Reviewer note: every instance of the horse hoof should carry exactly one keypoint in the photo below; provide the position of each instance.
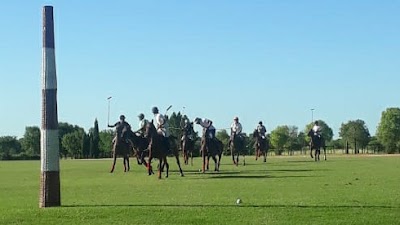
(182, 175)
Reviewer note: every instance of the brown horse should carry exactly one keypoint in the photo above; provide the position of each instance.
(210, 148)
(261, 145)
(158, 148)
(187, 146)
(121, 148)
(236, 146)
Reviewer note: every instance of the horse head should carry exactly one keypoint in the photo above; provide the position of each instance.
(310, 133)
(255, 133)
(150, 130)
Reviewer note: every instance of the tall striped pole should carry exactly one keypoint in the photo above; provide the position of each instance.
(50, 165)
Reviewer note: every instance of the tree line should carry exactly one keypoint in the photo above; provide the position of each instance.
(76, 143)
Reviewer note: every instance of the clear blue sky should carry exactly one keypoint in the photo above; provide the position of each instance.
(259, 60)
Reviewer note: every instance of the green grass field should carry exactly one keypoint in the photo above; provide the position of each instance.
(285, 190)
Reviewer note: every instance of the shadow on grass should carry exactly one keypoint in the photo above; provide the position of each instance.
(241, 206)
(254, 177)
(309, 161)
(248, 174)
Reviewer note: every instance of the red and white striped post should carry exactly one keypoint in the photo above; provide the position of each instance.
(50, 164)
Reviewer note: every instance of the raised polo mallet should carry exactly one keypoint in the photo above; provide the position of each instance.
(168, 109)
(108, 115)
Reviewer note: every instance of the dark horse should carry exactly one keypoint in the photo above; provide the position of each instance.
(316, 143)
(187, 146)
(261, 145)
(122, 148)
(210, 148)
(158, 148)
(140, 148)
(236, 146)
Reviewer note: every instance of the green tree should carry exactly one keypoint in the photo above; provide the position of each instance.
(30, 143)
(375, 145)
(356, 133)
(223, 136)
(9, 145)
(63, 129)
(94, 140)
(296, 139)
(337, 143)
(72, 142)
(174, 122)
(388, 132)
(279, 138)
(301, 140)
(85, 146)
(105, 144)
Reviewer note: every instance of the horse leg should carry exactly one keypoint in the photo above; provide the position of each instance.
(183, 147)
(208, 162)
(127, 161)
(311, 148)
(124, 160)
(191, 158)
(265, 156)
(244, 159)
(215, 163)
(319, 153)
(114, 160)
(325, 153)
(185, 157)
(257, 154)
(149, 168)
(160, 167)
(177, 162)
(138, 158)
(167, 165)
(219, 159)
(233, 157)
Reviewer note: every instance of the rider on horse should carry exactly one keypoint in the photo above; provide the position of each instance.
(208, 128)
(316, 129)
(122, 129)
(261, 130)
(187, 129)
(142, 125)
(236, 128)
(161, 126)
(316, 133)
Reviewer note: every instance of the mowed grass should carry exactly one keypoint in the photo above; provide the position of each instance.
(285, 190)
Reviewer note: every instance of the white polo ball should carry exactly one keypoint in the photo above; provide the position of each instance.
(238, 201)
